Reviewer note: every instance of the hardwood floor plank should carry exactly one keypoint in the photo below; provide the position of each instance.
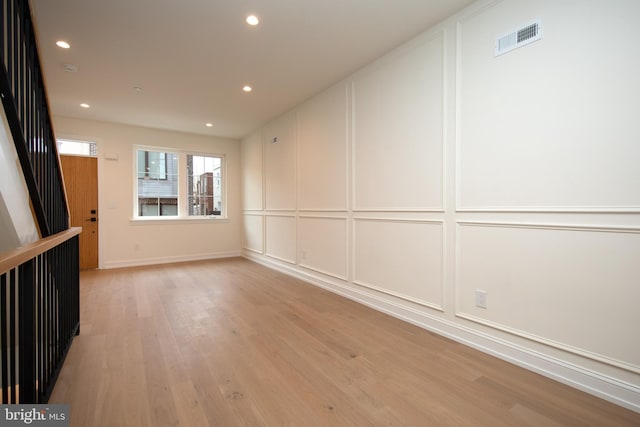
(156, 369)
(232, 343)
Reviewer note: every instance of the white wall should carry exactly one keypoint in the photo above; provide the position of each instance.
(124, 242)
(17, 225)
(440, 170)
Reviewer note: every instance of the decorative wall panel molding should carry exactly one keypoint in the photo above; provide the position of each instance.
(607, 387)
(323, 244)
(399, 102)
(253, 236)
(322, 124)
(252, 172)
(567, 286)
(403, 258)
(280, 237)
(279, 147)
(530, 135)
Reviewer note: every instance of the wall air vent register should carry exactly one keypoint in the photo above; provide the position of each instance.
(517, 38)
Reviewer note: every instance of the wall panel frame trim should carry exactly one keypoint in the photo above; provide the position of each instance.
(347, 144)
(551, 226)
(458, 99)
(420, 302)
(288, 261)
(551, 209)
(316, 216)
(524, 334)
(413, 44)
(431, 305)
(256, 251)
(344, 219)
(463, 134)
(400, 209)
(325, 273)
(283, 213)
(339, 211)
(258, 214)
(552, 343)
(290, 215)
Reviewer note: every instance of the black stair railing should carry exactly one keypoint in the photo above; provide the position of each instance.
(25, 104)
(39, 282)
(39, 316)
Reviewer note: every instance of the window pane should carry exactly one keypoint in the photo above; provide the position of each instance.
(148, 207)
(154, 164)
(141, 168)
(157, 183)
(204, 185)
(168, 207)
(78, 148)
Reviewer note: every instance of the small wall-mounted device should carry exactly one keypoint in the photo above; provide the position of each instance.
(274, 140)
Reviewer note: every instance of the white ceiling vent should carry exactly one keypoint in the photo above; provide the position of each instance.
(523, 36)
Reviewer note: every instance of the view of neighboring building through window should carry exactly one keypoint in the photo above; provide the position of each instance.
(178, 184)
(157, 183)
(204, 185)
(152, 164)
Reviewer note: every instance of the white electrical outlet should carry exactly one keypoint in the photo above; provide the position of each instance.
(481, 298)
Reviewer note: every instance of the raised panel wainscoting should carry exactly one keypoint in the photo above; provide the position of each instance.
(489, 198)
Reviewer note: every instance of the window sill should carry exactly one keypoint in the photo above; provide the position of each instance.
(178, 220)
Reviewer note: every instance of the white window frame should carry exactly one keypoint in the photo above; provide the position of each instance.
(92, 146)
(183, 211)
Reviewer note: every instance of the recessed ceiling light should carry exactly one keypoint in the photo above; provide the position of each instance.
(137, 88)
(209, 125)
(253, 20)
(83, 105)
(247, 89)
(70, 68)
(63, 44)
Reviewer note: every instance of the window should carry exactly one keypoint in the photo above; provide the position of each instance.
(77, 148)
(178, 184)
(157, 185)
(204, 185)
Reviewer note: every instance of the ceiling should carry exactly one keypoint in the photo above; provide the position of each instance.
(191, 58)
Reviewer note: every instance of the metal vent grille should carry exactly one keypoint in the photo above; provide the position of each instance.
(528, 32)
(518, 38)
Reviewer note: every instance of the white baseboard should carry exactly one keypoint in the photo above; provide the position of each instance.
(168, 260)
(611, 389)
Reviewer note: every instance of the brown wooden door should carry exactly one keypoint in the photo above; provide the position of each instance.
(81, 182)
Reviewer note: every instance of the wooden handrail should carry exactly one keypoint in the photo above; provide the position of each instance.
(12, 259)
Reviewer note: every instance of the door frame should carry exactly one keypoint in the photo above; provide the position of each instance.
(100, 177)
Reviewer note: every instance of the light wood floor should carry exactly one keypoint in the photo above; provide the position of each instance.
(231, 343)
